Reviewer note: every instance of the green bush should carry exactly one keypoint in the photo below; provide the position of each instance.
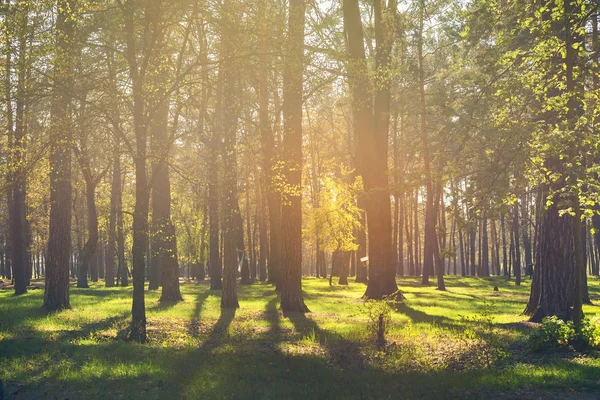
(379, 313)
(555, 333)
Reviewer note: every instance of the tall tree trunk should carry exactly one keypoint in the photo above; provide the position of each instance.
(371, 125)
(270, 164)
(417, 235)
(164, 262)
(115, 194)
(409, 241)
(429, 229)
(89, 249)
(251, 238)
(517, 259)
(292, 299)
(232, 226)
(262, 234)
(439, 261)
(485, 247)
(344, 265)
(142, 194)
(121, 263)
(17, 175)
(56, 294)
(504, 257)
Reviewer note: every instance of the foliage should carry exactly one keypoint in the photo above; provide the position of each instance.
(490, 347)
(379, 318)
(338, 217)
(554, 333)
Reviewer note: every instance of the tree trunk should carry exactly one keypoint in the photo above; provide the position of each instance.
(504, 257)
(115, 194)
(554, 277)
(292, 299)
(56, 294)
(250, 239)
(344, 265)
(371, 126)
(233, 225)
(271, 167)
(164, 263)
(262, 235)
(17, 143)
(89, 249)
(429, 229)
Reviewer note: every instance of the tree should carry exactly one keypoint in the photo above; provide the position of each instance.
(56, 294)
(228, 94)
(17, 136)
(292, 299)
(371, 124)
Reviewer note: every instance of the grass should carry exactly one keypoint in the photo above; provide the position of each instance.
(463, 343)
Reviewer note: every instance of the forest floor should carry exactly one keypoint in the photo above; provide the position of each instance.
(468, 342)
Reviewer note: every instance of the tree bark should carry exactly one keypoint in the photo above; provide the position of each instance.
(56, 294)
(292, 299)
(89, 249)
(371, 126)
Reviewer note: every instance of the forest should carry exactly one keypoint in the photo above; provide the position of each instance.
(299, 199)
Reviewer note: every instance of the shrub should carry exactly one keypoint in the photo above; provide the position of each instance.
(554, 333)
(379, 313)
(483, 337)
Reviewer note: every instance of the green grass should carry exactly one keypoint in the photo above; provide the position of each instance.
(439, 346)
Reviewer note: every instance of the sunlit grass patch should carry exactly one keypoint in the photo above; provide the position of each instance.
(435, 340)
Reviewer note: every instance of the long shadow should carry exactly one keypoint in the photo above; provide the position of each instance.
(195, 320)
(419, 316)
(94, 292)
(343, 352)
(219, 330)
(422, 317)
(187, 366)
(274, 335)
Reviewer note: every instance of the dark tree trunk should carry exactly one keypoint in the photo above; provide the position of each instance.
(89, 249)
(269, 155)
(409, 241)
(371, 126)
(485, 248)
(344, 265)
(439, 261)
(463, 252)
(17, 175)
(163, 260)
(292, 299)
(251, 244)
(504, 257)
(361, 252)
(417, 235)
(142, 193)
(554, 277)
(121, 264)
(233, 250)
(517, 259)
(429, 228)
(472, 237)
(56, 295)
(115, 194)
(262, 236)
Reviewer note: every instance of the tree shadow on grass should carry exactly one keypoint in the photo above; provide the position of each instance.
(194, 324)
(95, 292)
(219, 331)
(343, 352)
(418, 316)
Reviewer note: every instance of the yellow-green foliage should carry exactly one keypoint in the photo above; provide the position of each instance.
(337, 218)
